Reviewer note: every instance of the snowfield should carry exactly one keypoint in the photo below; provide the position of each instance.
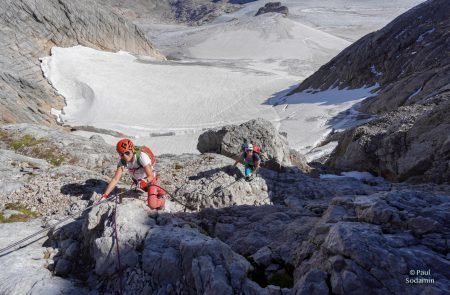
(146, 99)
(235, 69)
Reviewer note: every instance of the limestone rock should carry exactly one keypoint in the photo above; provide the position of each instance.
(24, 269)
(408, 58)
(369, 246)
(63, 267)
(410, 143)
(59, 148)
(283, 233)
(171, 254)
(31, 28)
(195, 12)
(273, 7)
(229, 139)
(12, 174)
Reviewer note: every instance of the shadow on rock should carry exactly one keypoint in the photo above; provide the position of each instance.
(230, 170)
(85, 190)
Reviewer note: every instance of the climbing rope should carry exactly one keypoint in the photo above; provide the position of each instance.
(190, 207)
(116, 240)
(224, 187)
(72, 215)
(186, 206)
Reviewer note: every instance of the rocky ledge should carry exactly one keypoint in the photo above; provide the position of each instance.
(282, 233)
(411, 143)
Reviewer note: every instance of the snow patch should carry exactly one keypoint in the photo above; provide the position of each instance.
(115, 91)
(57, 114)
(313, 114)
(319, 152)
(374, 71)
(414, 94)
(221, 73)
(422, 36)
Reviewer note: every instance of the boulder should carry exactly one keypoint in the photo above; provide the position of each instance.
(63, 267)
(228, 141)
(98, 235)
(273, 7)
(175, 255)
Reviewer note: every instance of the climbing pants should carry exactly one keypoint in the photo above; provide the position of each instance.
(248, 170)
(155, 200)
(155, 195)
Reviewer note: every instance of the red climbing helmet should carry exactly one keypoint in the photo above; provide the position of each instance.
(124, 145)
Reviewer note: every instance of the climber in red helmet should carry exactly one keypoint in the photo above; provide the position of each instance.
(139, 163)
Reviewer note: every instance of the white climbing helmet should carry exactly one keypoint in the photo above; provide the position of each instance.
(248, 147)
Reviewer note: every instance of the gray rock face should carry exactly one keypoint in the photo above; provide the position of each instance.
(192, 12)
(174, 255)
(59, 147)
(273, 7)
(29, 30)
(365, 247)
(411, 143)
(228, 141)
(408, 58)
(49, 169)
(283, 233)
(25, 270)
(267, 234)
(16, 170)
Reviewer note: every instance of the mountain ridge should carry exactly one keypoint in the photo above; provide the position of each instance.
(409, 61)
(379, 57)
(32, 28)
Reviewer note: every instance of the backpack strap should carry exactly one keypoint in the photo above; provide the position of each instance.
(123, 162)
(137, 154)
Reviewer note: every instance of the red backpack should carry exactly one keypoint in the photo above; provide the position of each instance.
(146, 150)
(256, 149)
